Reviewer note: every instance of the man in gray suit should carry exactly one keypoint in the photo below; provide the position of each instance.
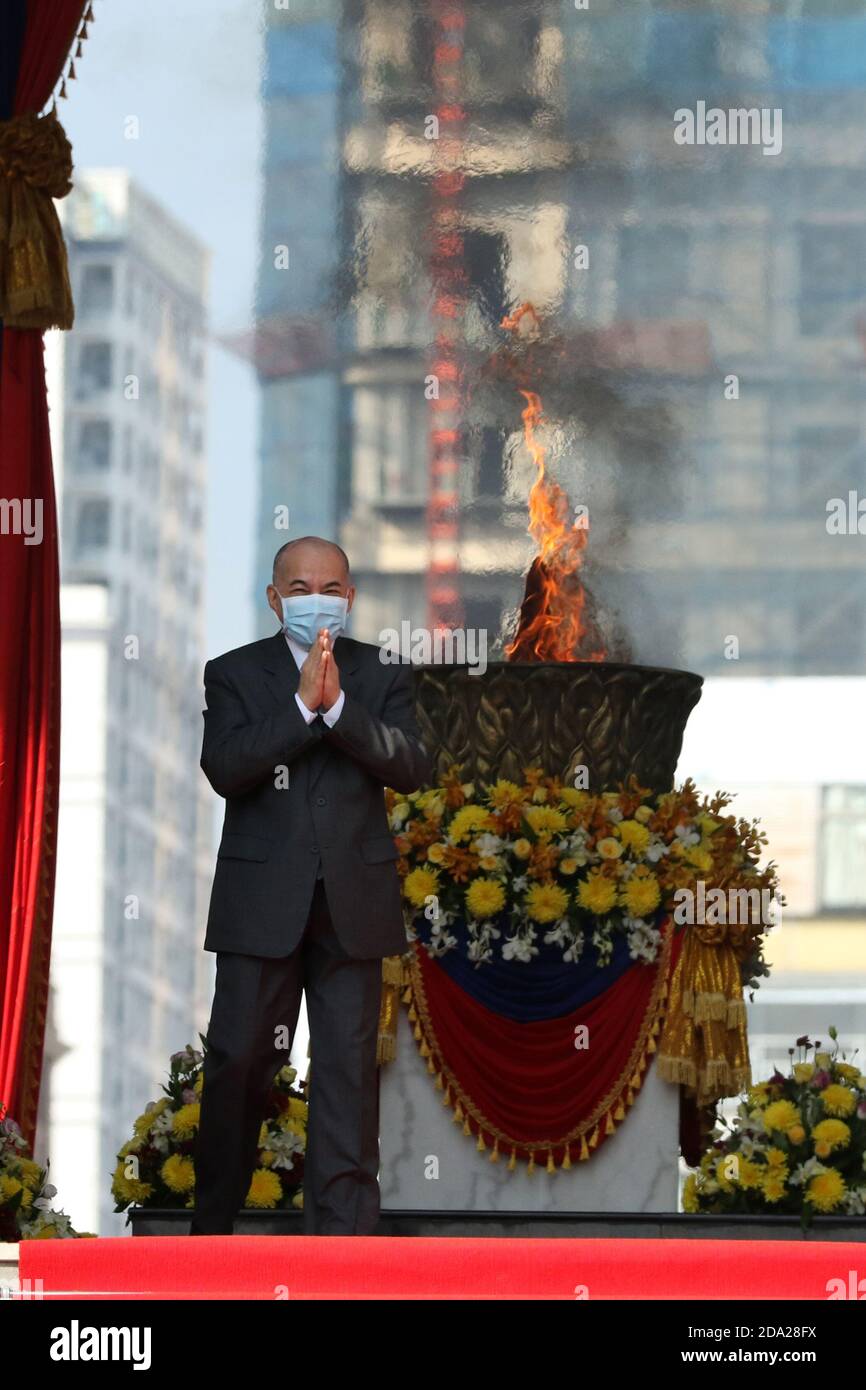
(302, 733)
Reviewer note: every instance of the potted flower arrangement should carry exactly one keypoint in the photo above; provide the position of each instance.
(26, 1211)
(155, 1168)
(797, 1143)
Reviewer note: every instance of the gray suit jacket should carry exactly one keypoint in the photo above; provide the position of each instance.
(332, 810)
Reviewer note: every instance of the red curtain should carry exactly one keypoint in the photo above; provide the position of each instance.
(29, 650)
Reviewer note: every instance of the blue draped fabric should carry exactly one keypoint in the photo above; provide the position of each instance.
(528, 993)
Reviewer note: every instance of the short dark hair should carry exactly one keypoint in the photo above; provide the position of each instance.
(299, 540)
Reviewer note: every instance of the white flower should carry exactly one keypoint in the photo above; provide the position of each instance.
(687, 834)
(520, 947)
(488, 843)
(656, 850)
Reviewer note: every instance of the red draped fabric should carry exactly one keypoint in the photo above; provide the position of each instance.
(29, 649)
(525, 1087)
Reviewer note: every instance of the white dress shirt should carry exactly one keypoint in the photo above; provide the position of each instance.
(331, 715)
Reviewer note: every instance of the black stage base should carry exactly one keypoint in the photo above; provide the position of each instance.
(650, 1225)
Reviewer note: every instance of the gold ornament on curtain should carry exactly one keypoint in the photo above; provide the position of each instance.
(35, 168)
(704, 1042)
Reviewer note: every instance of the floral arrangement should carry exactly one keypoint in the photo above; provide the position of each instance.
(26, 1194)
(796, 1144)
(514, 861)
(155, 1168)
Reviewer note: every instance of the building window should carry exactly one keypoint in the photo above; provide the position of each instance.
(94, 369)
(843, 849)
(96, 295)
(653, 275)
(831, 278)
(93, 525)
(94, 446)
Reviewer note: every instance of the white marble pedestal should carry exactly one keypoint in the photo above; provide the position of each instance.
(635, 1170)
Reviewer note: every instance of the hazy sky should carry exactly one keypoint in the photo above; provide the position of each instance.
(189, 71)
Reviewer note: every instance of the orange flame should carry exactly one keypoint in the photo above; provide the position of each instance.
(552, 626)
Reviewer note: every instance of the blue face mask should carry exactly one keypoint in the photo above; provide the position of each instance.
(304, 614)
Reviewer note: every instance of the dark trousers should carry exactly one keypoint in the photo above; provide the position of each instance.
(253, 997)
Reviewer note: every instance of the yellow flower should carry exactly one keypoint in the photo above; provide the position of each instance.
(545, 820)
(467, 821)
(129, 1189)
(643, 814)
(419, 884)
(640, 894)
(298, 1200)
(522, 848)
(823, 1060)
(185, 1120)
(143, 1123)
(796, 1134)
(838, 1100)
(546, 902)
(31, 1173)
(436, 852)
(759, 1094)
(488, 862)
(835, 1134)
(609, 848)
(826, 1190)
(776, 1158)
(750, 1174)
(539, 793)
(700, 857)
(297, 1107)
(633, 835)
(431, 802)
(199, 1082)
(708, 824)
(804, 1071)
(485, 897)
(8, 1188)
(573, 796)
(690, 1193)
(597, 894)
(845, 1070)
(773, 1185)
(780, 1115)
(567, 866)
(177, 1173)
(265, 1189)
(504, 793)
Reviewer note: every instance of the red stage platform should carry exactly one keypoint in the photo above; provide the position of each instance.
(374, 1267)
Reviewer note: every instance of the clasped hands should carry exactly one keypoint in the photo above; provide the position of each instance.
(319, 682)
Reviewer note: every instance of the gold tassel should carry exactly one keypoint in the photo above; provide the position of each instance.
(595, 1138)
(584, 1151)
(458, 1113)
(439, 1082)
(551, 1166)
(512, 1162)
(620, 1110)
(72, 70)
(430, 1067)
(466, 1129)
(609, 1127)
(494, 1157)
(531, 1165)
(566, 1162)
(413, 1015)
(480, 1146)
(63, 96)
(446, 1099)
